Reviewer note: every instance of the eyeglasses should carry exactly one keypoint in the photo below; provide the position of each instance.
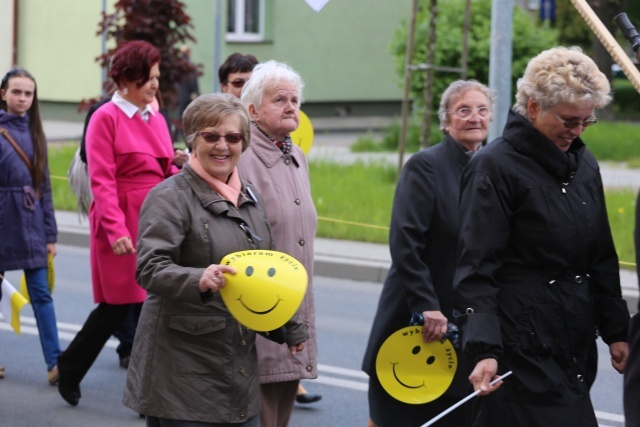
(467, 113)
(230, 138)
(569, 124)
(236, 83)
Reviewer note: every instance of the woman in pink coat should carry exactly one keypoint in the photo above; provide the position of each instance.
(129, 151)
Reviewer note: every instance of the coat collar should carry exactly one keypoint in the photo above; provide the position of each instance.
(456, 151)
(524, 137)
(268, 152)
(211, 200)
(18, 122)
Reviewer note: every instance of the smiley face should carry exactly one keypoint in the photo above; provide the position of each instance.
(413, 371)
(271, 272)
(267, 289)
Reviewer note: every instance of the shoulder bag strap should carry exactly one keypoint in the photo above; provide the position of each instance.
(21, 153)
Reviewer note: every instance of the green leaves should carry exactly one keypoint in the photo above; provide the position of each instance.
(529, 39)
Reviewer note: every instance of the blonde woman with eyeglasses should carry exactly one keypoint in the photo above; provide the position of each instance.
(537, 279)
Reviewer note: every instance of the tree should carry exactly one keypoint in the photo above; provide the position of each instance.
(163, 23)
(529, 39)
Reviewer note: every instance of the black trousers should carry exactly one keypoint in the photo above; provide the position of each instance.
(127, 331)
(76, 360)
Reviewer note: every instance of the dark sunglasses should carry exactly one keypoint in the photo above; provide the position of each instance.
(236, 83)
(231, 138)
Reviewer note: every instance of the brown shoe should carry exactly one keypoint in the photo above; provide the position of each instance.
(1, 372)
(53, 375)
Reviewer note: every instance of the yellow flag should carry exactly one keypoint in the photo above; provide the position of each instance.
(11, 304)
(51, 278)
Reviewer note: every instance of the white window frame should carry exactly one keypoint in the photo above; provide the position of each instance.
(240, 35)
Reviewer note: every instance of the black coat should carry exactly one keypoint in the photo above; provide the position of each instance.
(632, 370)
(540, 273)
(423, 244)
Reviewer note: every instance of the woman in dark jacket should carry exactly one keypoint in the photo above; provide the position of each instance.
(423, 244)
(28, 230)
(191, 360)
(538, 277)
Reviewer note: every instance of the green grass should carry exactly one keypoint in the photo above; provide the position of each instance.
(354, 201)
(358, 193)
(60, 156)
(621, 208)
(613, 141)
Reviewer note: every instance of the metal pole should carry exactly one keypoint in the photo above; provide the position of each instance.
(103, 49)
(500, 63)
(407, 86)
(217, 45)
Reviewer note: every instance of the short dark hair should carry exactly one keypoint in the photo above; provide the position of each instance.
(132, 62)
(236, 63)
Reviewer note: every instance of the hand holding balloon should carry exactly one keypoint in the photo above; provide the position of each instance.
(212, 278)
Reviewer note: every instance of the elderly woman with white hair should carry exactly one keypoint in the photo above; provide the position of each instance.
(537, 279)
(278, 169)
(423, 244)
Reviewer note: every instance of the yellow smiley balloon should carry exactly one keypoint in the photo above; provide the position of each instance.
(267, 289)
(51, 278)
(413, 371)
(303, 136)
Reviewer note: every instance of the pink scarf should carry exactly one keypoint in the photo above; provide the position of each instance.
(229, 191)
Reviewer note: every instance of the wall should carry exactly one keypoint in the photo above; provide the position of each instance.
(6, 36)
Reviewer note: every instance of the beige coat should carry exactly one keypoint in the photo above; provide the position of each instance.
(283, 182)
(191, 359)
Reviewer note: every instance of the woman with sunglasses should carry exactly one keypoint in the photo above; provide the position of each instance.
(129, 151)
(28, 230)
(423, 246)
(192, 362)
(537, 279)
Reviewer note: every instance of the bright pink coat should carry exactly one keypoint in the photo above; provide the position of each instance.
(126, 158)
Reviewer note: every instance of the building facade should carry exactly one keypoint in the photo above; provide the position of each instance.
(342, 52)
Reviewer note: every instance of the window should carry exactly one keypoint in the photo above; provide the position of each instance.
(245, 20)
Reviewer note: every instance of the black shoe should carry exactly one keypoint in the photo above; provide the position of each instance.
(69, 392)
(308, 398)
(124, 362)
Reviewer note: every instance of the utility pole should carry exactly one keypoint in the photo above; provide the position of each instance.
(500, 59)
(217, 45)
(103, 48)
